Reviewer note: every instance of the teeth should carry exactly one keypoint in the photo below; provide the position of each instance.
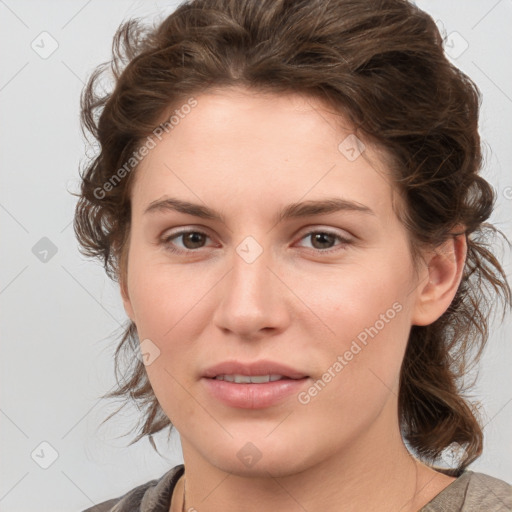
(246, 379)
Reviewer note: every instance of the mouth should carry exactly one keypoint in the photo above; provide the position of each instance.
(261, 371)
(253, 385)
(252, 379)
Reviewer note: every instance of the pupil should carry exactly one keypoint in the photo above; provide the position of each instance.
(319, 236)
(190, 236)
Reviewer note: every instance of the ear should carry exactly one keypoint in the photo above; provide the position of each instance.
(438, 288)
(126, 298)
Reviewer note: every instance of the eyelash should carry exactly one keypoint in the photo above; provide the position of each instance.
(166, 242)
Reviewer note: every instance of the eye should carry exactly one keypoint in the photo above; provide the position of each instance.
(192, 239)
(322, 241)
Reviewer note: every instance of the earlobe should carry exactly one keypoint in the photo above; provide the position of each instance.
(436, 292)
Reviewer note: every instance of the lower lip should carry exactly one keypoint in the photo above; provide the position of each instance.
(253, 396)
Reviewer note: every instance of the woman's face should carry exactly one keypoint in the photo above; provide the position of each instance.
(329, 294)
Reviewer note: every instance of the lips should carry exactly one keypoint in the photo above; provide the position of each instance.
(254, 368)
(245, 385)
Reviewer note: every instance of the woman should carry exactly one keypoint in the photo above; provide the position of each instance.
(288, 195)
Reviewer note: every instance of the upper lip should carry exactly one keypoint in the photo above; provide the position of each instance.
(262, 367)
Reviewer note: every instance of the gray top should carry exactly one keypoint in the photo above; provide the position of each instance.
(470, 492)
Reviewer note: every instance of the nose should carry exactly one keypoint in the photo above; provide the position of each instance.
(254, 300)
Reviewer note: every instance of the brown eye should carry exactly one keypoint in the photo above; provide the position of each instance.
(324, 241)
(191, 241)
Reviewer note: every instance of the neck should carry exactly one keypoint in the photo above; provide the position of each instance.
(376, 469)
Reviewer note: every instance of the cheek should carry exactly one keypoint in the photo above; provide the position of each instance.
(168, 313)
(368, 311)
(165, 298)
(360, 298)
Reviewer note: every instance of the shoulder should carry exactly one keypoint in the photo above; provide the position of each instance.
(472, 492)
(153, 496)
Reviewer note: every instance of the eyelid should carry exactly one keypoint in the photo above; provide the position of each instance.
(344, 240)
(165, 240)
(315, 228)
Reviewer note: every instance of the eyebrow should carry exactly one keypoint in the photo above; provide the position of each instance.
(291, 211)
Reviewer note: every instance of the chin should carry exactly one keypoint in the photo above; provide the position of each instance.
(260, 458)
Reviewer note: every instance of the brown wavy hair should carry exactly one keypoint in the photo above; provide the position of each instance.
(381, 64)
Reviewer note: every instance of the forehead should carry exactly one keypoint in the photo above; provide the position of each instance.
(235, 116)
(238, 145)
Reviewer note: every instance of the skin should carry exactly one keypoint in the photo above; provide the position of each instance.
(246, 156)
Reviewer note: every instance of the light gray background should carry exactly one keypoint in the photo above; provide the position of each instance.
(57, 315)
